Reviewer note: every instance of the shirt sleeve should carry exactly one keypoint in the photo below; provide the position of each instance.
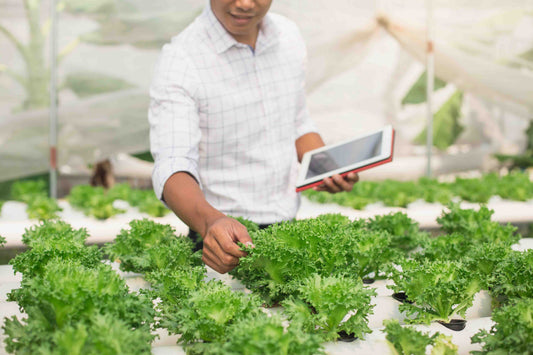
(173, 118)
(304, 124)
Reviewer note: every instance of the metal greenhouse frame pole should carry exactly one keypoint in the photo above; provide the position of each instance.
(53, 100)
(430, 80)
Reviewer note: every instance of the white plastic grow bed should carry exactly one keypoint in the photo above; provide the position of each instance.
(426, 214)
(14, 220)
(478, 317)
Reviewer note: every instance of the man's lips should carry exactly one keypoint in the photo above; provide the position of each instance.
(241, 19)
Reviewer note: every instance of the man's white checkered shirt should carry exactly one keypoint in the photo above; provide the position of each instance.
(230, 117)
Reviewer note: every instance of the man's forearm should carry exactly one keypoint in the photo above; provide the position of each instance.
(183, 195)
(220, 234)
(308, 142)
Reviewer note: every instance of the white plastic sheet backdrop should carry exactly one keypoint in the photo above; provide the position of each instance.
(363, 58)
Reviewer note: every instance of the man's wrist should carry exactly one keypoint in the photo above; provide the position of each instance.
(210, 219)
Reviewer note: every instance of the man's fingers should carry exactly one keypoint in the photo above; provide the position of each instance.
(353, 177)
(331, 185)
(227, 245)
(221, 251)
(213, 245)
(320, 187)
(241, 235)
(214, 265)
(342, 183)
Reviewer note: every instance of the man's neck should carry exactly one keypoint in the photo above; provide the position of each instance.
(248, 40)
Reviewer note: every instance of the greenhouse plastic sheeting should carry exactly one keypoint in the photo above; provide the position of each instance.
(363, 58)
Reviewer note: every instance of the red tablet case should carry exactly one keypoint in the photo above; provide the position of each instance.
(388, 160)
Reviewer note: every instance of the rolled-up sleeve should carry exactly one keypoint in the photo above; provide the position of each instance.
(173, 118)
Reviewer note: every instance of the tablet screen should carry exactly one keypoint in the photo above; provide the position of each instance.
(344, 155)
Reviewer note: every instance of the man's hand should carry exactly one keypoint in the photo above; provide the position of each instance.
(221, 251)
(337, 183)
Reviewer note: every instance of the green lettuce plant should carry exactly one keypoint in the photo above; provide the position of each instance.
(409, 341)
(209, 312)
(329, 305)
(405, 232)
(512, 277)
(69, 298)
(265, 334)
(513, 331)
(52, 241)
(149, 246)
(477, 226)
(435, 290)
(288, 252)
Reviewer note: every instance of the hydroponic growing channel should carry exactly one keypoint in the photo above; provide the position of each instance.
(105, 213)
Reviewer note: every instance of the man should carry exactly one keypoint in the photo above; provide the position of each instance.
(228, 125)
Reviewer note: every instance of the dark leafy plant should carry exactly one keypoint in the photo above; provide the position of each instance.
(417, 93)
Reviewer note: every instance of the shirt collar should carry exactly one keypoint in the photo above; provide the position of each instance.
(222, 40)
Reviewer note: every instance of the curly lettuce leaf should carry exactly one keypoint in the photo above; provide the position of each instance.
(68, 295)
(513, 331)
(405, 232)
(149, 246)
(329, 305)
(512, 277)
(437, 289)
(50, 242)
(267, 335)
(209, 312)
(288, 252)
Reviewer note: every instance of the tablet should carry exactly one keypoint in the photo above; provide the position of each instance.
(357, 154)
